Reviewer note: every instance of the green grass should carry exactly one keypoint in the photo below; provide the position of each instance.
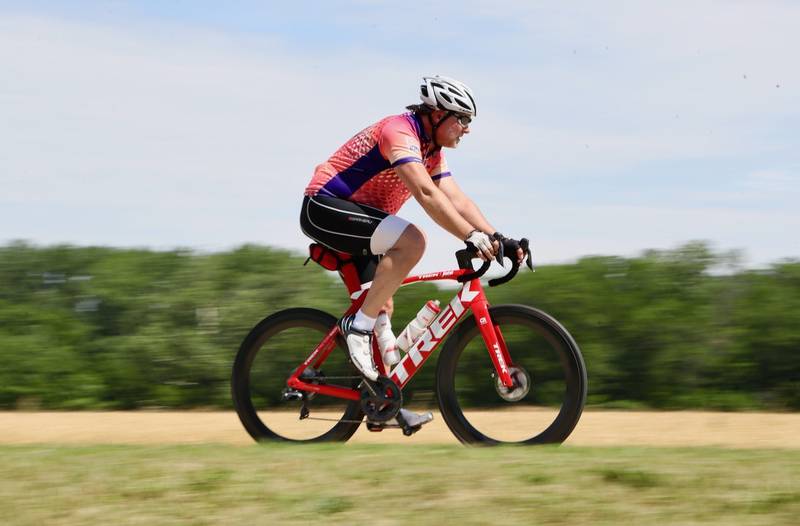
(356, 484)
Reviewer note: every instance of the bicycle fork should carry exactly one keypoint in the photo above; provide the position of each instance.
(495, 343)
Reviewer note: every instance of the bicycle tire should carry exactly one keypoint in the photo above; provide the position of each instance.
(527, 331)
(278, 344)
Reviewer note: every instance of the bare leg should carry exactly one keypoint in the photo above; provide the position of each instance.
(393, 269)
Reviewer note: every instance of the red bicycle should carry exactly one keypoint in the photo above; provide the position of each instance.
(508, 374)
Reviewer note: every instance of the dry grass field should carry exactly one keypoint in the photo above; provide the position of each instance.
(596, 428)
(201, 468)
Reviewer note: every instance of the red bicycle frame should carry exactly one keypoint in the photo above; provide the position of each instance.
(470, 297)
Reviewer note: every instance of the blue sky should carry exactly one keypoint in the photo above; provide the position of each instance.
(601, 129)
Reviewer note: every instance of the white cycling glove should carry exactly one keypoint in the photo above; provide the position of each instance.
(482, 242)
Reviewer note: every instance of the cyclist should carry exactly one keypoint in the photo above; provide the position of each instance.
(351, 203)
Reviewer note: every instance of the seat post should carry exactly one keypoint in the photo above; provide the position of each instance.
(349, 275)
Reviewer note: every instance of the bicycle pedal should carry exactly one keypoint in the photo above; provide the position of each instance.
(374, 428)
(408, 431)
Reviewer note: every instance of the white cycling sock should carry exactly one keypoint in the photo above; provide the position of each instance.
(363, 322)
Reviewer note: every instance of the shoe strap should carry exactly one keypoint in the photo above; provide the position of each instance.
(347, 326)
(353, 330)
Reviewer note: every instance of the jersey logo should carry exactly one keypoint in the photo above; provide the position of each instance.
(412, 146)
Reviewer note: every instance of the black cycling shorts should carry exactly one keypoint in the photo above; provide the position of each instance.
(350, 227)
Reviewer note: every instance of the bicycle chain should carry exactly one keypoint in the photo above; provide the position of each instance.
(342, 420)
(336, 378)
(350, 421)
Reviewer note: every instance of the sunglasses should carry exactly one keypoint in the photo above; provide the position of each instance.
(463, 120)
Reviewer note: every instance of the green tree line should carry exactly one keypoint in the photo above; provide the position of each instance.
(105, 328)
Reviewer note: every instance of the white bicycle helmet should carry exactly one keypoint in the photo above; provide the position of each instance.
(447, 94)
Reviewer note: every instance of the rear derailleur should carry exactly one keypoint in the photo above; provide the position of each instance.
(290, 394)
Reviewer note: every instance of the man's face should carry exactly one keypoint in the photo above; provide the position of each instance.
(450, 130)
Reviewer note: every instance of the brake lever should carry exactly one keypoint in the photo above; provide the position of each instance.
(524, 244)
(500, 255)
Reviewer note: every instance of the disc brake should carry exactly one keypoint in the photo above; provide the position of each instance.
(522, 385)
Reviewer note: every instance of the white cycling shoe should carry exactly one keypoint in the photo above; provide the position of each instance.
(359, 345)
(414, 419)
(413, 422)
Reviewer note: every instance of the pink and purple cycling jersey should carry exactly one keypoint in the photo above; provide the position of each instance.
(363, 169)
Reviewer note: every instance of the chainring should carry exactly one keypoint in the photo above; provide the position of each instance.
(381, 400)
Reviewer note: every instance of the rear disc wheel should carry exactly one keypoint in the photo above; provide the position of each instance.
(268, 356)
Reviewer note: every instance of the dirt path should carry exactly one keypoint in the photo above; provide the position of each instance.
(596, 428)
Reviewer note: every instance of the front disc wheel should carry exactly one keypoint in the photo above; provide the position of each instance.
(549, 392)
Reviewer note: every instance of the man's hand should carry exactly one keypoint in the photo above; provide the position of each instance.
(500, 238)
(483, 243)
